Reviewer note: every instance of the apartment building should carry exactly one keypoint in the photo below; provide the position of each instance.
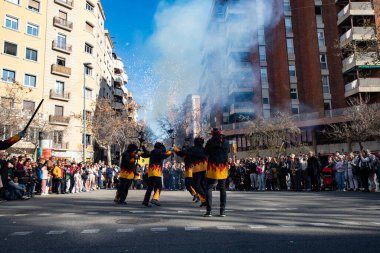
(307, 59)
(61, 50)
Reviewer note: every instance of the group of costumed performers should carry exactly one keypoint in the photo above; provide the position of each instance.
(205, 168)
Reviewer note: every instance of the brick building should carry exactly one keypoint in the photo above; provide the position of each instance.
(305, 57)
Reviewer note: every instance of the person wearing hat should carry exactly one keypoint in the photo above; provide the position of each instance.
(217, 169)
(157, 156)
(188, 168)
(198, 165)
(127, 172)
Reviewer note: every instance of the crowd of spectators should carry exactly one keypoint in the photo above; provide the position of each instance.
(22, 178)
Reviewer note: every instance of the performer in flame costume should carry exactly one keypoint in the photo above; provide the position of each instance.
(127, 172)
(217, 169)
(157, 156)
(188, 169)
(198, 166)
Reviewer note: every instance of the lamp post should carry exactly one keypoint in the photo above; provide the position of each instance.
(85, 66)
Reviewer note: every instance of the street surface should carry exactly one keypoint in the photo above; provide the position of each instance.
(255, 222)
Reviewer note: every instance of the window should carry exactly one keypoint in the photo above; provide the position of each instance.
(266, 113)
(7, 103)
(293, 94)
(325, 84)
(88, 93)
(30, 80)
(88, 48)
(89, 6)
(265, 101)
(31, 54)
(32, 29)
(288, 25)
(62, 15)
(59, 88)
(58, 137)
(11, 22)
(10, 48)
(321, 38)
(61, 61)
(14, 1)
(264, 74)
(88, 70)
(61, 41)
(290, 46)
(89, 27)
(88, 140)
(28, 105)
(262, 53)
(287, 5)
(323, 60)
(34, 5)
(58, 110)
(295, 110)
(292, 70)
(8, 75)
(327, 105)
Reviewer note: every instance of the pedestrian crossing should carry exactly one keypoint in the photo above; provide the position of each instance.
(162, 229)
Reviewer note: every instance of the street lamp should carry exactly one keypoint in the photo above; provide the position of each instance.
(85, 66)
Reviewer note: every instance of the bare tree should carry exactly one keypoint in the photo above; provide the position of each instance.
(362, 123)
(273, 134)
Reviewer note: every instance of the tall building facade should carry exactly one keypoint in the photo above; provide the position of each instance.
(307, 59)
(62, 51)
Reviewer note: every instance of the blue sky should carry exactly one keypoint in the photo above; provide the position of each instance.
(159, 42)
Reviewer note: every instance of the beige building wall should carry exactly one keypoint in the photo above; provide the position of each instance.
(18, 15)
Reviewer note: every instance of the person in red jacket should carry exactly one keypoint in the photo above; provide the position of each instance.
(157, 156)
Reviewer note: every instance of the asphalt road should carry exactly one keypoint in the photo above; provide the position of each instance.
(255, 222)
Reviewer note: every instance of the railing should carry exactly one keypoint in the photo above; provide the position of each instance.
(118, 92)
(61, 146)
(355, 8)
(58, 119)
(67, 48)
(358, 33)
(60, 70)
(67, 3)
(59, 95)
(63, 23)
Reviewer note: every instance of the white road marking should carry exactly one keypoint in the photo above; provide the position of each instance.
(68, 213)
(137, 211)
(320, 224)
(183, 211)
(20, 215)
(2, 215)
(225, 227)
(257, 226)
(289, 226)
(270, 209)
(44, 214)
(376, 223)
(161, 211)
(91, 213)
(249, 209)
(21, 233)
(115, 213)
(354, 223)
(193, 228)
(90, 231)
(291, 209)
(159, 229)
(125, 230)
(56, 232)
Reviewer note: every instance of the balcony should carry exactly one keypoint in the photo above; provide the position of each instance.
(60, 70)
(240, 89)
(242, 108)
(362, 60)
(61, 146)
(61, 47)
(63, 24)
(118, 92)
(59, 120)
(367, 85)
(355, 9)
(65, 3)
(63, 96)
(357, 34)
